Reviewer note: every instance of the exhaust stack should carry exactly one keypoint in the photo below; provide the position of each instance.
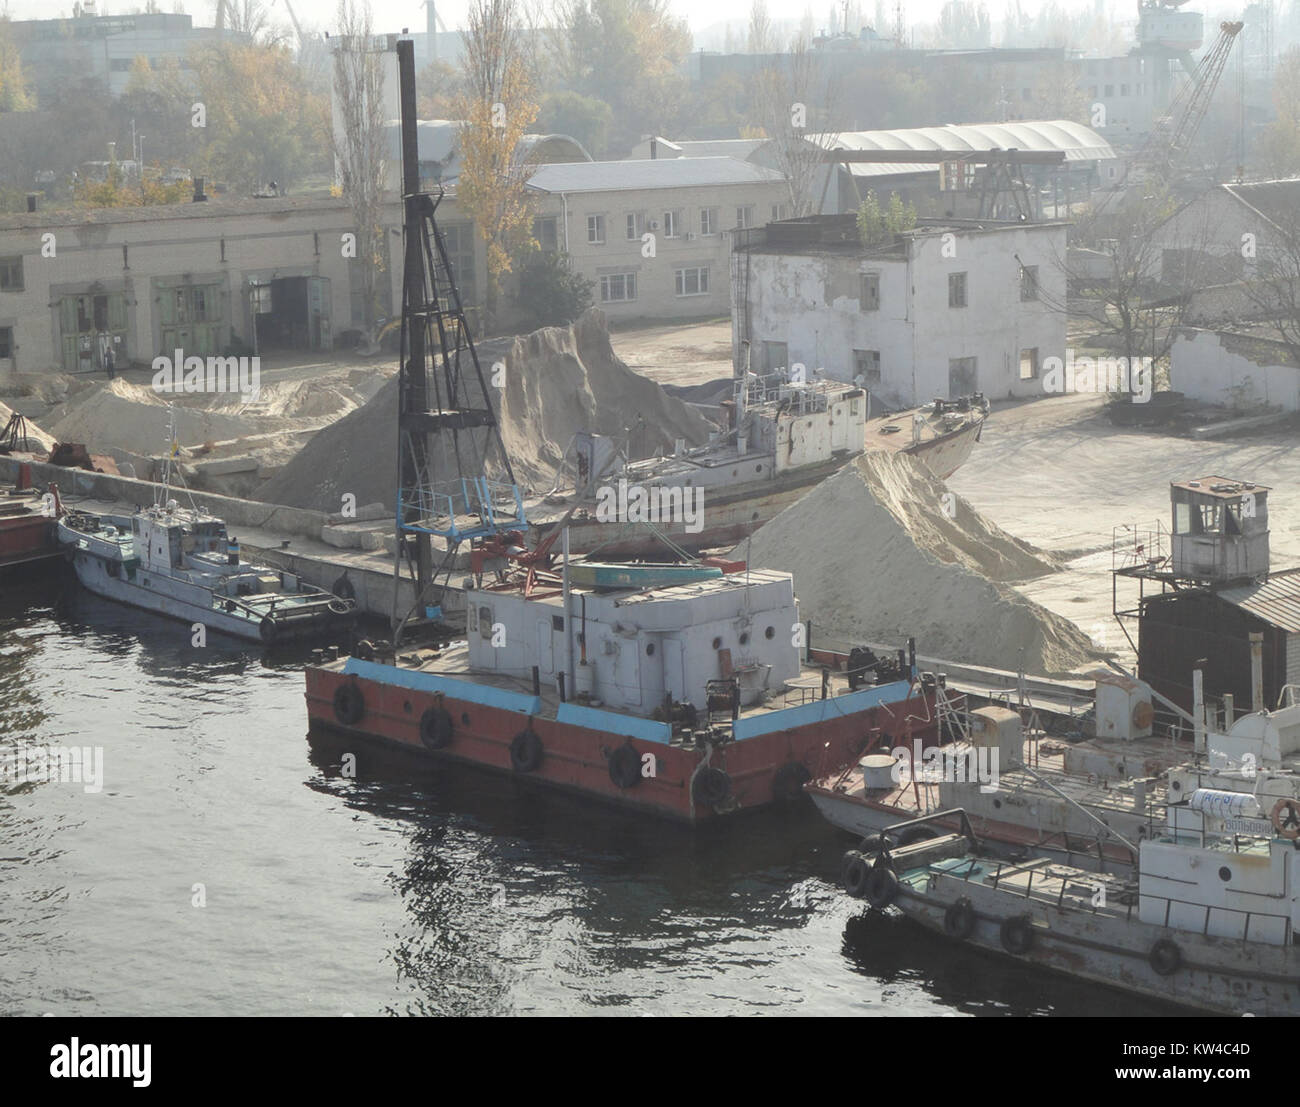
(1256, 670)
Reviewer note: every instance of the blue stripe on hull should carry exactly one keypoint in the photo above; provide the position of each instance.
(807, 714)
(484, 694)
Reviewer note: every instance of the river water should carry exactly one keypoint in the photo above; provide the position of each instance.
(227, 866)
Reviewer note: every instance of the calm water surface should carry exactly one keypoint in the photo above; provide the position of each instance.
(408, 890)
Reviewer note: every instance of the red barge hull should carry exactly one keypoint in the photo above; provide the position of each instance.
(767, 763)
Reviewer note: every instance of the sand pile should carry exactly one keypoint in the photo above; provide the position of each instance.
(874, 559)
(133, 417)
(557, 381)
(945, 525)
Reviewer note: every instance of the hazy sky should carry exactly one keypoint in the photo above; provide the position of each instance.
(392, 15)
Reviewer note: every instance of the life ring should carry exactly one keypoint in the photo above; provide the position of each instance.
(1017, 934)
(349, 704)
(436, 727)
(1286, 818)
(882, 887)
(339, 606)
(788, 782)
(711, 787)
(625, 766)
(1165, 957)
(959, 919)
(855, 871)
(526, 751)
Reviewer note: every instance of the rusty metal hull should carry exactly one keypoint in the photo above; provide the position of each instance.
(1219, 975)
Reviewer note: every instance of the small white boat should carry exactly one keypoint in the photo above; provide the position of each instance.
(182, 563)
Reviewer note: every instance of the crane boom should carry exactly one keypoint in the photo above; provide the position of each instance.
(1173, 133)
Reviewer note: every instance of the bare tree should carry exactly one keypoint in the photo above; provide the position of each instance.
(360, 146)
(760, 28)
(794, 103)
(1274, 293)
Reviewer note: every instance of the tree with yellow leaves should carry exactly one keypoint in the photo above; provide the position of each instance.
(497, 108)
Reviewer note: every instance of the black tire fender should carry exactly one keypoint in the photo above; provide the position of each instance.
(959, 919)
(788, 782)
(436, 727)
(349, 704)
(711, 787)
(526, 751)
(1165, 957)
(855, 871)
(882, 887)
(1017, 934)
(625, 766)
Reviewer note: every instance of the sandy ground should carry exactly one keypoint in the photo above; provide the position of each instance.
(683, 354)
(1056, 473)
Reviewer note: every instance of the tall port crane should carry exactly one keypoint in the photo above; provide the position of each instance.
(1172, 134)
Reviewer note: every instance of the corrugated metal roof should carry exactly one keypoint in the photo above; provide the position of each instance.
(1077, 142)
(1276, 600)
(1277, 201)
(610, 176)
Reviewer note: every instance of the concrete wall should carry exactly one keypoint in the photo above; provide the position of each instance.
(656, 290)
(811, 302)
(176, 244)
(1205, 366)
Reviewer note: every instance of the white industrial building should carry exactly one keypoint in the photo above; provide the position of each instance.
(940, 311)
(654, 236)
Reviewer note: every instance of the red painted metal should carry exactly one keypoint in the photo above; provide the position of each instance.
(577, 758)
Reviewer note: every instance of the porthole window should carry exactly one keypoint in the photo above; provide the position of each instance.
(717, 643)
(464, 718)
(649, 649)
(770, 633)
(744, 639)
(1225, 874)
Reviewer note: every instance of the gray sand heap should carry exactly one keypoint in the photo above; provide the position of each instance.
(876, 559)
(557, 380)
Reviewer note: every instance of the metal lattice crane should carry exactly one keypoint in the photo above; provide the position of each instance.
(1172, 134)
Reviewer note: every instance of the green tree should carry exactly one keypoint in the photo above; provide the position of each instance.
(877, 225)
(582, 117)
(551, 294)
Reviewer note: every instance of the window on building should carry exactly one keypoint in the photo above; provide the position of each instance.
(459, 239)
(673, 224)
(596, 230)
(1110, 90)
(635, 223)
(780, 211)
(956, 290)
(962, 377)
(1028, 282)
(1123, 90)
(1029, 363)
(616, 288)
(692, 282)
(260, 298)
(745, 216)
(866, 365)
(11, 274)
(546, 229)
(774, 356)
(6, 342)
(708, 220)
(869, 291)
(1092, 91)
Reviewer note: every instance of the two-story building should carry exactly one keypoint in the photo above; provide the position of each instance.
(653, 236)
(943, 310)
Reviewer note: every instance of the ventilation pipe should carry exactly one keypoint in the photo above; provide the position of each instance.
(1198, 706)
(1256, 670)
